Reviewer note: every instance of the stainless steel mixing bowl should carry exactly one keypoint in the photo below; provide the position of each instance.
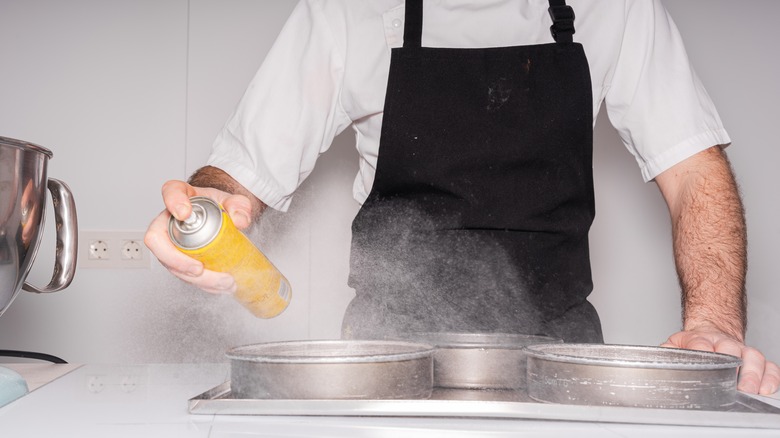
(23, 184)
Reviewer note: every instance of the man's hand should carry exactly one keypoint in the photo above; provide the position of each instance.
(176, 196)
(756, 375)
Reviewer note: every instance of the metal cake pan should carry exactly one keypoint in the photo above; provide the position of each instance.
(338, 369)
(480, 360)
(631, 375)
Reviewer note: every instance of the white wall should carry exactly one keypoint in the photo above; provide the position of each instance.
(730, 45)
(128, 94)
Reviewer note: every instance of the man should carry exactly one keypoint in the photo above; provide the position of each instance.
(475, 137)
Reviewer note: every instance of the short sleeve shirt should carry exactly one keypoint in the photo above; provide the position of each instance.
(328, 71)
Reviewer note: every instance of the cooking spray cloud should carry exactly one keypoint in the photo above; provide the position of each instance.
(178, 322)
(413, 274)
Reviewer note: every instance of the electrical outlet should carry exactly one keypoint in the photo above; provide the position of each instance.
(95, 384)
(132, 250)
(98, 250)
(113, 250)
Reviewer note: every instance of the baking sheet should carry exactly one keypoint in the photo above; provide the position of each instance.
(747, 412)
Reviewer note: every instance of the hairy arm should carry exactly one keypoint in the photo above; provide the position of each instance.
(710, 243)
(209, 176)
(710, 251)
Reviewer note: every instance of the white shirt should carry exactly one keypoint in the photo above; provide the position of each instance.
(328, 71)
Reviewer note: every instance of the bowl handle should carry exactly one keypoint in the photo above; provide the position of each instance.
(67, 238)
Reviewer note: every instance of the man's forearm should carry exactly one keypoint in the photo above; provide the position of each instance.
(709, 244)
(209, 176)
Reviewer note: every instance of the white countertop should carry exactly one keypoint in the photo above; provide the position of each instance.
(152, 400)
(39, 374)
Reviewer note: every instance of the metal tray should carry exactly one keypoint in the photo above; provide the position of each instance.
(747, 412)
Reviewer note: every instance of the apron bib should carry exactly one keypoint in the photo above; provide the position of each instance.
(479, 214)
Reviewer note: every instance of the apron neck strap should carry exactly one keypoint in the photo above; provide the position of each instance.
(413, 22)
(562, 16)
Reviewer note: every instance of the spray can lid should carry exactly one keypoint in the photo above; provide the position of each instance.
(200, 228)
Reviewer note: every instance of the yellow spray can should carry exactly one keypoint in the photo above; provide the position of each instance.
(209, 235)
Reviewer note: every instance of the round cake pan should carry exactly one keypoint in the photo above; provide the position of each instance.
(480, 360)
(631, 375)
(337, 369)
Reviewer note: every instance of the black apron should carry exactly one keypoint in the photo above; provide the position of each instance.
(478, 217)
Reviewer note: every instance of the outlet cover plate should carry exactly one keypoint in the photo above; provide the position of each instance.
(116, 241)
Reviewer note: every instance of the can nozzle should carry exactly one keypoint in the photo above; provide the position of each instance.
(191, 219)
(193, 226)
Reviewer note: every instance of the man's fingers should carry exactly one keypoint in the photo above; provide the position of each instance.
(771, 380)
(239, 208)
(699, 343)
(176, 196)
(156, 239)
(756, 374)
(210, 281)
(752, 370)
(728, 346)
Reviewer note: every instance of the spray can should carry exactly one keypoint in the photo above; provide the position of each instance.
(209, 235)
